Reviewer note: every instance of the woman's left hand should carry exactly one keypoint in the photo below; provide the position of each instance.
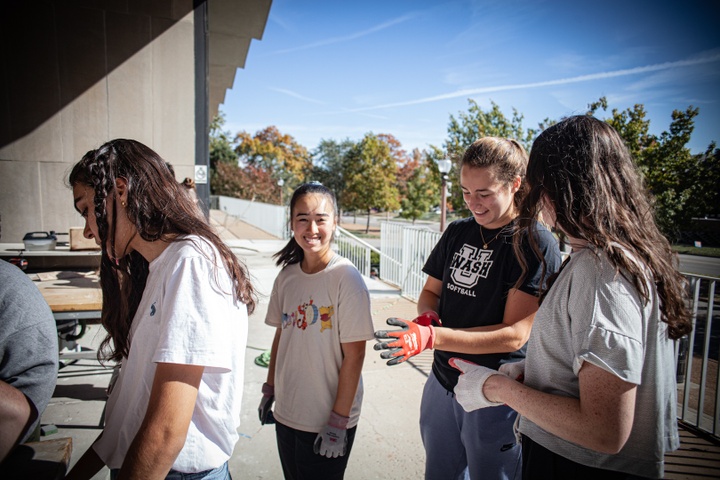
(469, 389)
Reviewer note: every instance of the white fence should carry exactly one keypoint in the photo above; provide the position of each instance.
(403, 251)
(697, 370)
(269, 218)
(356, 250)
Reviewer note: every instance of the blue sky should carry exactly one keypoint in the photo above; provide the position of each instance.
(340, 69)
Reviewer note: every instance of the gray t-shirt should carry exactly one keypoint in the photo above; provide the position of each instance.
(591, 314)
(28, 339)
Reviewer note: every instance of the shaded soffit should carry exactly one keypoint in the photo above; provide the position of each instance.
(232, 25)
(54, 51)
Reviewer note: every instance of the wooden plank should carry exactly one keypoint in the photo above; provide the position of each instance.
(45, 460)
(69, 291)
(697, 458)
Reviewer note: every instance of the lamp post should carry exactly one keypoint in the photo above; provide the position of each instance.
(280, 183)
(444, 167)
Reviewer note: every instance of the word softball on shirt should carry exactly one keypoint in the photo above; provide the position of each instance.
(307, 314)
(467, 267)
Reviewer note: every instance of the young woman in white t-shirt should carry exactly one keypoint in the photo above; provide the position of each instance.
(175, 306)
(320, 307)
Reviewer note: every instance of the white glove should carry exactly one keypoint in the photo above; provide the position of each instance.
(469, 388)
(514, 370)
(332, 441)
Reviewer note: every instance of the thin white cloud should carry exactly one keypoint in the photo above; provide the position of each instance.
(563, 81)
(347, 38)
(297, 95)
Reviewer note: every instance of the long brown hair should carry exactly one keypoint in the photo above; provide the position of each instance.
(583, 168)
(505, 156)
(159, 210)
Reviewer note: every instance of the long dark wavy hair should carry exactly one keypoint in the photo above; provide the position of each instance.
(292, 252)
(505, 156)
(159, 210)
(583, 168)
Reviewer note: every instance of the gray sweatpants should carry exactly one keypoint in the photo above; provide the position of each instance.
(470, 446)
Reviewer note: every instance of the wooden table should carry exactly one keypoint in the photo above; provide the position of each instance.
(74, 297)
(70, 294)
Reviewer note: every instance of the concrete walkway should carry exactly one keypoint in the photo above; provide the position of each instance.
(388, 441)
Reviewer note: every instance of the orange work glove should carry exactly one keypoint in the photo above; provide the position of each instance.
(411, 339)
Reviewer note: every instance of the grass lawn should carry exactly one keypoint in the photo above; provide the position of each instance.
(700, 251)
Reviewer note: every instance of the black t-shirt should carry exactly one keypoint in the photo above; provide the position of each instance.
(476, 282)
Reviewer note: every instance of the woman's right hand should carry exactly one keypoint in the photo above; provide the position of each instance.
(265, 408)
(514, 370)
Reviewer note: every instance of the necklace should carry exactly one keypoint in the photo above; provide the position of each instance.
(485, 244)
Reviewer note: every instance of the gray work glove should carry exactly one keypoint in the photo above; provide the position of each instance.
(332, 439)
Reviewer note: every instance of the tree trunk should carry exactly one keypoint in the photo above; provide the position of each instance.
(367, 227)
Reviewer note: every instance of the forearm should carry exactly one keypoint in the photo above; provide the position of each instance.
(16, 413)
(273, 356)
(507, 336)
(88, 465)
(601, 427)
(428, 301)
(498, 338)
(164, 429)
(349, 378)
(152, 453)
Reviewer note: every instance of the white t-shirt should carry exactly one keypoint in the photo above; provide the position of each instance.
(591, 314)
(188, 316)
(317, 312)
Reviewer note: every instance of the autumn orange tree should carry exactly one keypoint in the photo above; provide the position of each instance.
(249, 183)
(276, 153)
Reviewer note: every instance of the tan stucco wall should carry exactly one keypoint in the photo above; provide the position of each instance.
(148, 96)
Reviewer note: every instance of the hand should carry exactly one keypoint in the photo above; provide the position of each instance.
(428, 319)
(514, 370)
(332, 439)
(469, 388)
(412, 339)
(265, 409)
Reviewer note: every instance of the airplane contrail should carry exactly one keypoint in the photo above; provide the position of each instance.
(547, 83)
(346, 38)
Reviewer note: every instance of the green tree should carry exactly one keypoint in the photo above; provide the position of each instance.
(478, 123)
(329, 166)
(434, 177)
(370, 177)
(418, 193)
(221, 148)
(683, 185)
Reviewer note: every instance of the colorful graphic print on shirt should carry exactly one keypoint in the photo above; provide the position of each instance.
(467, 267)
(308, 314)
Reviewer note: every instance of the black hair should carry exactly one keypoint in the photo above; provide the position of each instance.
(292, 252)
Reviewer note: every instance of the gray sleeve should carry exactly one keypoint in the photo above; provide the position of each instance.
(28, 341)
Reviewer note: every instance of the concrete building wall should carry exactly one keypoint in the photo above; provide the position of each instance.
(77, 74)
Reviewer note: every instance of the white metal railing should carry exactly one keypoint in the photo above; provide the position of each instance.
(697, 359)
(356, 250)
(403, 251)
